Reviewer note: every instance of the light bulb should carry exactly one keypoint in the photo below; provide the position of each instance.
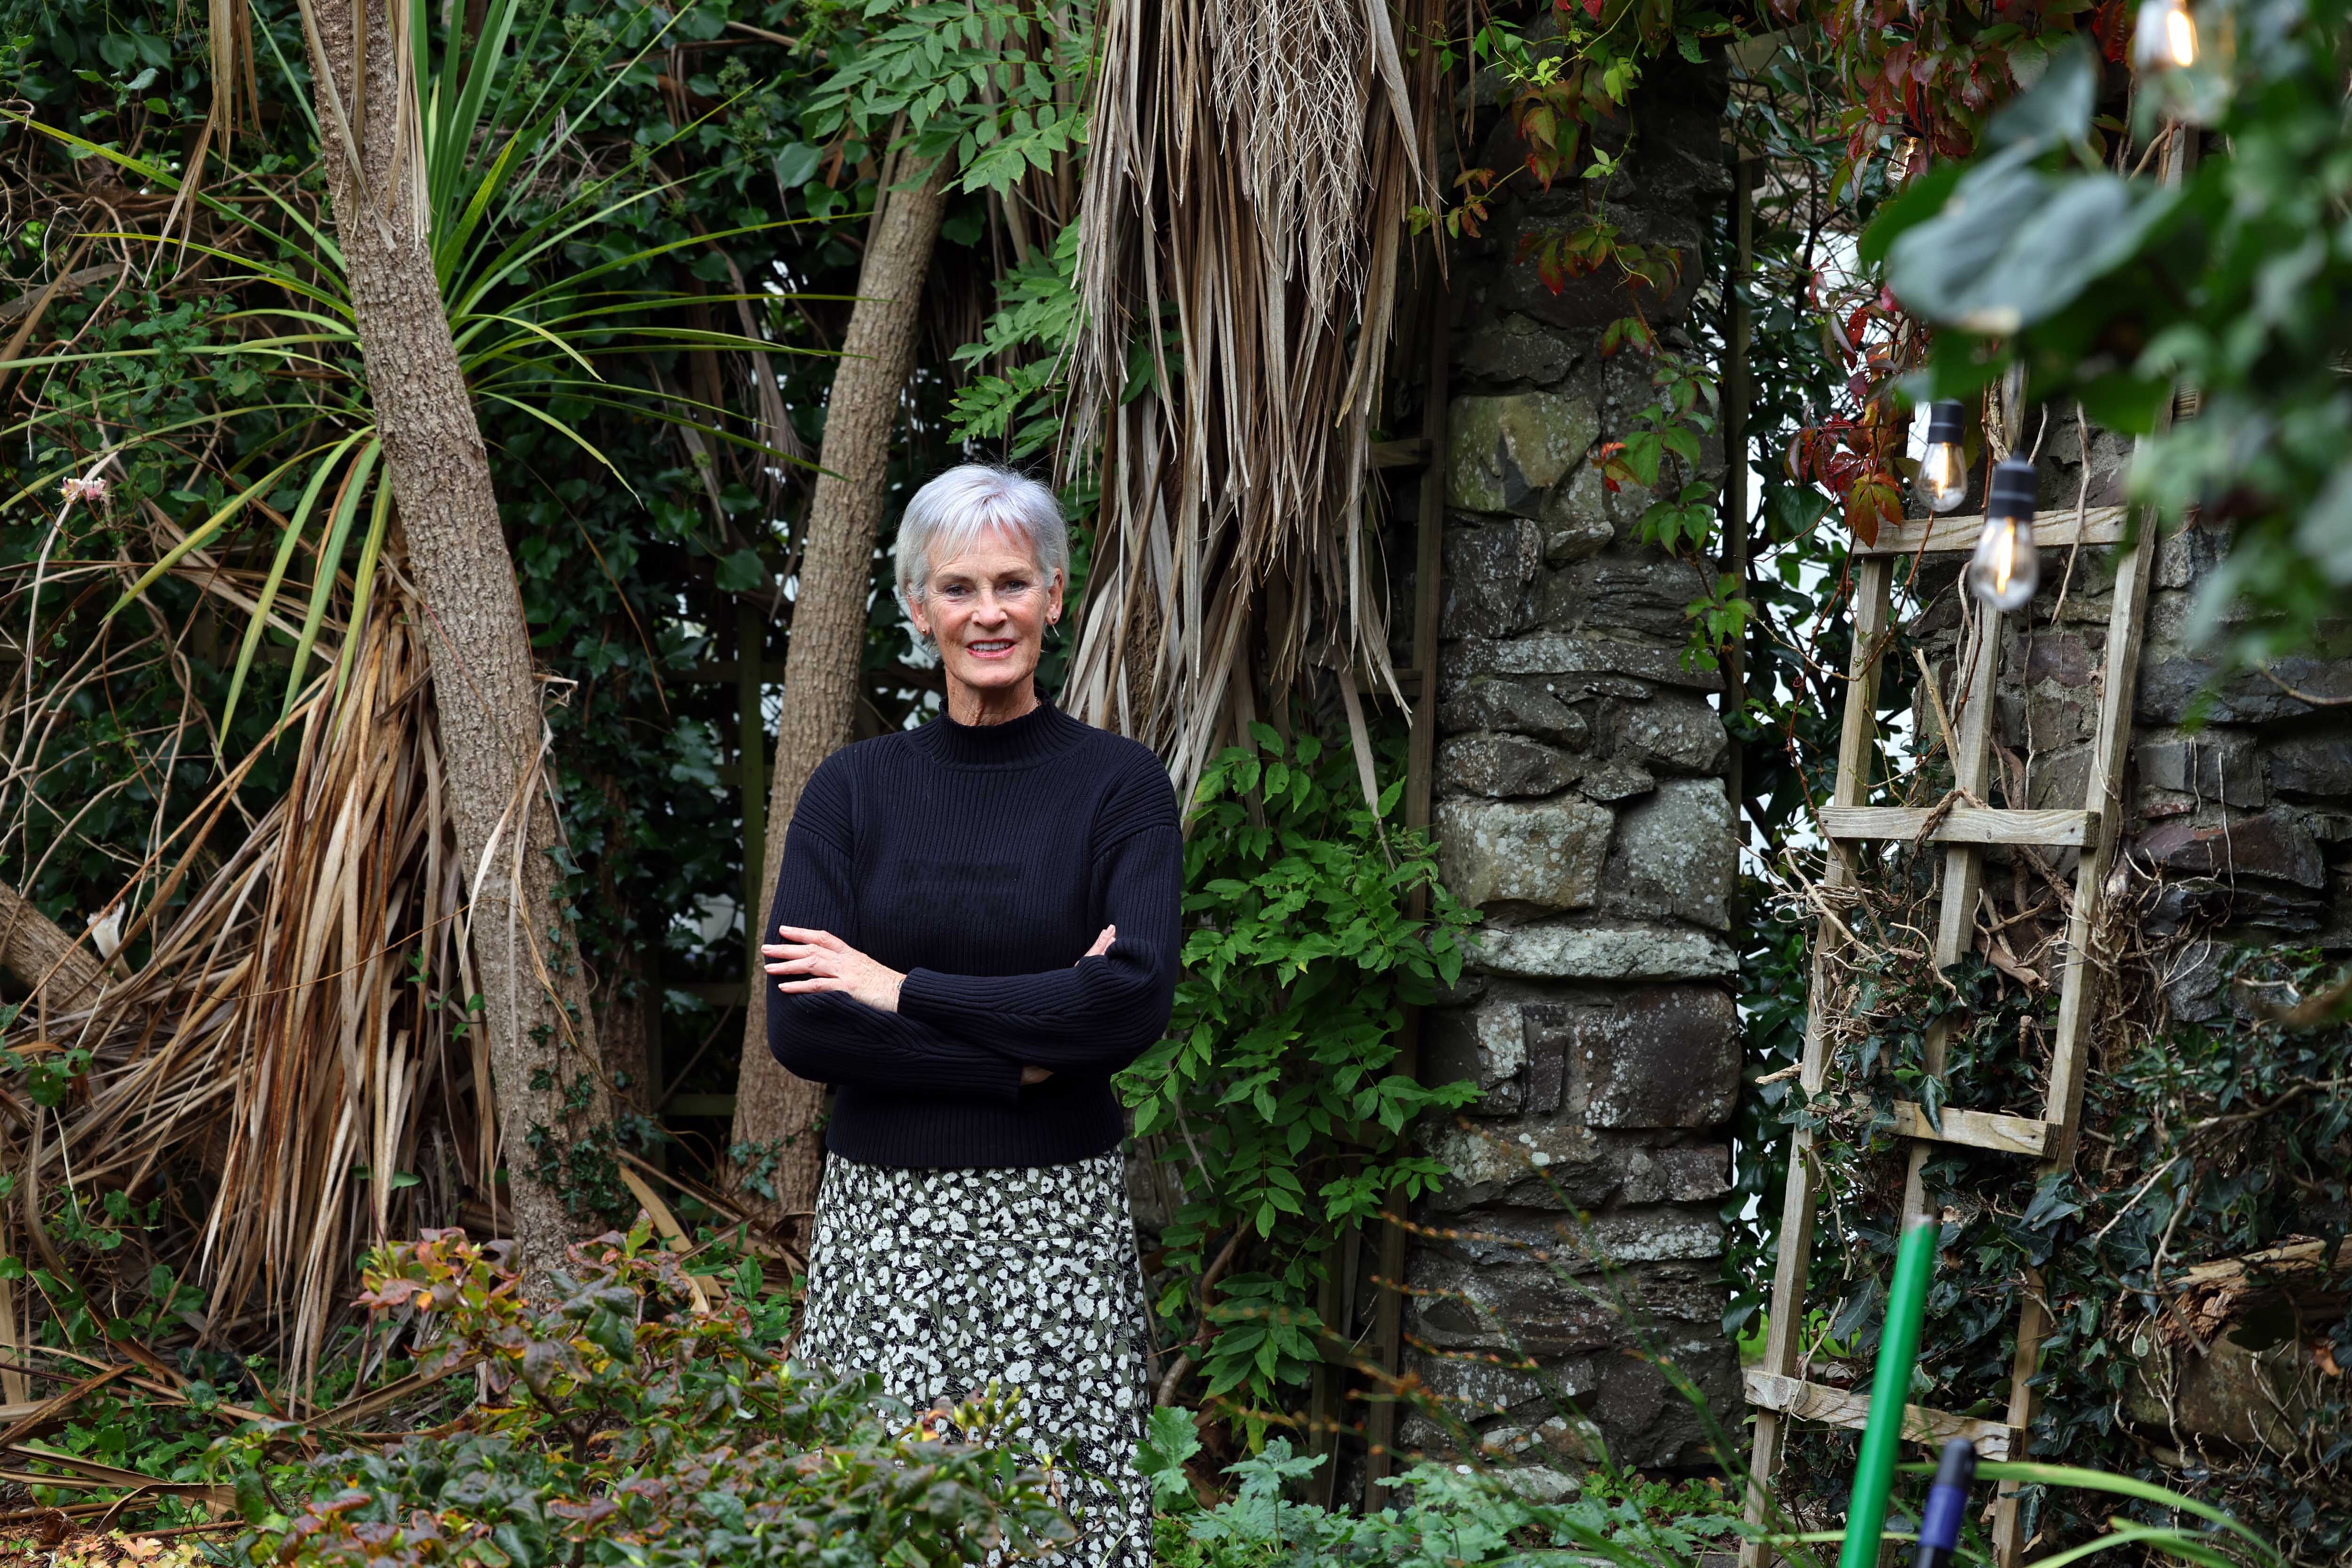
(2165, 37)
(2006, 568)
(1943, 482)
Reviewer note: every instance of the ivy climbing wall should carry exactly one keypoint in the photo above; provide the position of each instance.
(1580, 804)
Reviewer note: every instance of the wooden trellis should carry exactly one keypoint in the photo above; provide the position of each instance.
(1774, 1388)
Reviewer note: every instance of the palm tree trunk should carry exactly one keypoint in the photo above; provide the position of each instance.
(553, 1109)
(773, 1109)
(34, 949)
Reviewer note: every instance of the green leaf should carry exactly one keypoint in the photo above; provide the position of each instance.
(1921, 200)
(742, 573)
(2057, 111)
(2014, 247)
(796, 165)
(1171, 1438)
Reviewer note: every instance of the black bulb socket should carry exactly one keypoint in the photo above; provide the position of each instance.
(2015, 488)
(1947, 422)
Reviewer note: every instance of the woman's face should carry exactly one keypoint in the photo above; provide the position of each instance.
(988, 608)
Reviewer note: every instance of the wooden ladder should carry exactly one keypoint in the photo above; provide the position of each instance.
(1774, 1388)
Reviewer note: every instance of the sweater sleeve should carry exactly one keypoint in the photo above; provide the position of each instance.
(831, 1037)
(1101, 1013)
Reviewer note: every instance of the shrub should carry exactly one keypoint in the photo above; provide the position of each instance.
(1445, 1516)
(633, 1421)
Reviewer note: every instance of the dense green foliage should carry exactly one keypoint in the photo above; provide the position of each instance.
(2214, 1140)
(625, 1424)
(1273, 1096)
(1446, 1516)
(2052, 251)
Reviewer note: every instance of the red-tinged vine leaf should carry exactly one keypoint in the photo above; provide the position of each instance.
(1592, 8)
(1874, 500)
(1549, 270)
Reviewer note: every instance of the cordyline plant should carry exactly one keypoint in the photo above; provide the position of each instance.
(628, 1418)
(460, 260)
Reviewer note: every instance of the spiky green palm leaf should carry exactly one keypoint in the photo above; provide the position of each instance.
(530, 331)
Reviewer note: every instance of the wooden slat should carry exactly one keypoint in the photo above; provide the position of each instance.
(1962, 825)
(1978, 662)
(2079, 978)
(1873, 581)
(1947, 536)
(1842, 1407)
(2110, 751)
(1371, 685)
(1974, 1129)
(1387, 1347)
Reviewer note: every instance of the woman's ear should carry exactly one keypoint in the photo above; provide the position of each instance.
(1053, 599)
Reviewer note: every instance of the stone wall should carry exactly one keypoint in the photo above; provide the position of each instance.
(1580, 804)
(2239, 794)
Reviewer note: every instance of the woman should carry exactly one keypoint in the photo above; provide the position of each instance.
(977, 924)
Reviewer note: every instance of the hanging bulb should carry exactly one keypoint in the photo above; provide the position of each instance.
(2006, 568)
(2165, 37)
(1943, 482)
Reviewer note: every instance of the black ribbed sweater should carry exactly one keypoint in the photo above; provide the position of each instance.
(981, 861)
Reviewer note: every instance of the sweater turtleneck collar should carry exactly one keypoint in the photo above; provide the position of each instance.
(1017, 742)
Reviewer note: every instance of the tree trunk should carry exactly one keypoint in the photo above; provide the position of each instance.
(36, 950)
(773, 1109)
(627, 1029)
(554, 1118)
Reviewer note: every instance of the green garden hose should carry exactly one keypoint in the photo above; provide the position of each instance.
(1898, 1348)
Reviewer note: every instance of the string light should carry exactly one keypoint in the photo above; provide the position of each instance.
(2165, 37)
(2006, 568)
(1943, 482)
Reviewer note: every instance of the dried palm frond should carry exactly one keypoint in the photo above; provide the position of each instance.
(280, 1061)
(1252, 166)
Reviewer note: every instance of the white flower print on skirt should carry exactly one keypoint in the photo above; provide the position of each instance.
(942, 1281)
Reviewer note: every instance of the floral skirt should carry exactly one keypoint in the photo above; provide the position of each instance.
(944, 1282)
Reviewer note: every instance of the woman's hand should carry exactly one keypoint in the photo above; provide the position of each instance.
(820, 961)
(1102, 945)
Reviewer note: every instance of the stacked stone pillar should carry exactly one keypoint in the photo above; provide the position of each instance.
(1580, 804)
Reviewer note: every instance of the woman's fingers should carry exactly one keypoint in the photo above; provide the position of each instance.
(812, 937)
(1102, 943)
(799, 958)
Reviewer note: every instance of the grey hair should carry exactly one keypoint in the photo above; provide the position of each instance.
(959, 506)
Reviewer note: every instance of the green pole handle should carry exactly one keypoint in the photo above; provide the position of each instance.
(1898, 1348)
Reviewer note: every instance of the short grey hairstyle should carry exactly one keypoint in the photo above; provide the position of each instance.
(947, 514)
